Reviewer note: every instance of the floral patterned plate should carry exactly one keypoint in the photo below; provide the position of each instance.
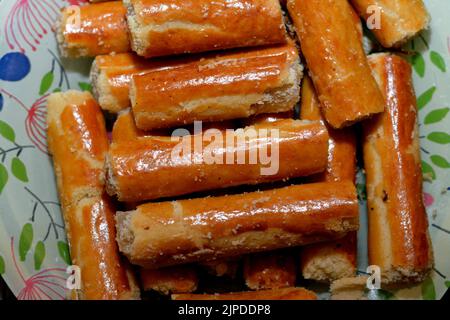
(33, 247)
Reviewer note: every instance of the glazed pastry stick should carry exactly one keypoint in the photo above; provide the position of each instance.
(276, 294)
(329, 261)
(398, 228)
(179, 279)
(178, 232)
(337, 63)
(270, 270)
(400, 20)
(163, 27)
(153, 167)
(94, 29)
(78, 142)
(232, 85)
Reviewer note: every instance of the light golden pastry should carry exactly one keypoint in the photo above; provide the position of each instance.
(400, 20)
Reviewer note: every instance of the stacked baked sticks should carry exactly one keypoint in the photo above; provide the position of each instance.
(162, 65)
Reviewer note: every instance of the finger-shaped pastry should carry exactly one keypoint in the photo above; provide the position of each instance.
(270, 270)
(337, 63)
(399, 241)
(94, 29)
(229, 86)
(329, 261)
(152, 167)
(178, 279)
(398, 20)
(78, 142)
(275, 294)
(167, 27)
(178, 232)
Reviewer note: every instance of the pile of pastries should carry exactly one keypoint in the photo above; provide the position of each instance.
(291, 87)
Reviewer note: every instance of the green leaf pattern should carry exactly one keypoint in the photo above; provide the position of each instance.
(2, 265)
(7, 132)
(39, 255)
(3, 177)
(436, 115)
(418, 63)
(46, 82)
(26, 239)
(438, 61)
(84, 86)
(428, 170)
(63, 250)
(428, 290)
(439, 161)
(19, 170)
(439, 137)
(425, 98)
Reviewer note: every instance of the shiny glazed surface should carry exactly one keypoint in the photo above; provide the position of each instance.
(117, 70)
(177, 232)
(102, 29)
(341, 167)
(337, 63)
(211, 89)
(78, 143)
(399, 19)
(186, 26)
(151, 167)
(398, 227)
